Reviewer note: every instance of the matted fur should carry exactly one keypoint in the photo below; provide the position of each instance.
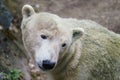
(93, 56)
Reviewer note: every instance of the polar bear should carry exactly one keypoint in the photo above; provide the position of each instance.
(70, 49)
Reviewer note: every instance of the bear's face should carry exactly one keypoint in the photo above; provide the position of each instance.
(44, 39)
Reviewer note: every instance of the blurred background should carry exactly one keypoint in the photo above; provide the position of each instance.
(104, 12)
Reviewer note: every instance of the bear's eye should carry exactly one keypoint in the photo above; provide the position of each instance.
(43, 36)
(64, 45)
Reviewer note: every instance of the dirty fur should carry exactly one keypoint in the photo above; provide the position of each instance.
(93, 55)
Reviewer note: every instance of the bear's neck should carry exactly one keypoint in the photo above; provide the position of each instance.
(68, 64)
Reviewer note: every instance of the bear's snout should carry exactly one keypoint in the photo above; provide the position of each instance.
(47, 65)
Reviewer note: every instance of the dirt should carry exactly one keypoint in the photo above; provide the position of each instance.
(104, 12)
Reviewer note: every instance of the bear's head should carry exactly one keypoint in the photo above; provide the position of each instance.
(46, 37)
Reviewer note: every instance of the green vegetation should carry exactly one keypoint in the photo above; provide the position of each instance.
(14, 74)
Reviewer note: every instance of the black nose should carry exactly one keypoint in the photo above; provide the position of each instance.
(47, 65)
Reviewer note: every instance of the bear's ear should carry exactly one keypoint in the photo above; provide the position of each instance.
(77, 33)
(27, 11)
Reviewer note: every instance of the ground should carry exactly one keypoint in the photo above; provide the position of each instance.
(105, 12)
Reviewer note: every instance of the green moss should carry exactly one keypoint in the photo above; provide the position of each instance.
(13, 74)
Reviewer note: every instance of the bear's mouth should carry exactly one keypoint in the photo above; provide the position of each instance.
(45, 69)
(46, 65)
(42, 68)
